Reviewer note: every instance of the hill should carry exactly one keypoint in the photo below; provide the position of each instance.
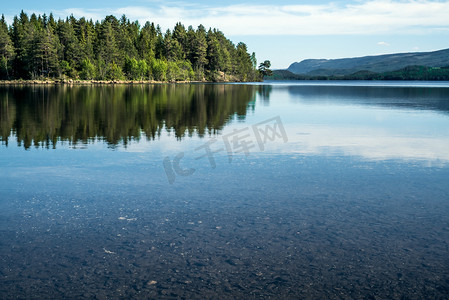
(375, 64)
(407, 73)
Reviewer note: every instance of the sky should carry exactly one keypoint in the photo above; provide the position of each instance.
(282, 31)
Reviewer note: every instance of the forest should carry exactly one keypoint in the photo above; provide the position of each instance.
(41, 47)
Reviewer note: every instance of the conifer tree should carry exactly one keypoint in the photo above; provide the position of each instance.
(200, 48)
(146, 42)
(71, 50)
(6, 50)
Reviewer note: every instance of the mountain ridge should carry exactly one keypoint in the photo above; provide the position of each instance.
(374, 63)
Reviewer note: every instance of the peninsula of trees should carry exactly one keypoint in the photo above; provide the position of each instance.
(41, 47)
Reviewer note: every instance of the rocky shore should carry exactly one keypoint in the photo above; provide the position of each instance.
(88, 82)
(220, 77)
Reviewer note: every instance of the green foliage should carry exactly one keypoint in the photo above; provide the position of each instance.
(408, 73)
(172, 71)
(264, 68)
(114, 72)
(199, 48)
(85, 32)
(4, 68)
(65, 68)
(214, 55)
(146, 42)
(285, 75)
(71, 50)
(198, 74)
(40, 46)
(131, 68)
(6, 50)
(254, 60)
(245, 66)
(180, 70)
(87, 70)
(185, 70)
(142, 69)
(107, 48)
(159, 69)
(135, 69)
(414, 73)
(101, 68)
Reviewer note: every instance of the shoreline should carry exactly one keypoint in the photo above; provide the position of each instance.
(99, 82)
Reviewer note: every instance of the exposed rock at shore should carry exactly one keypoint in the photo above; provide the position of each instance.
(222, 78)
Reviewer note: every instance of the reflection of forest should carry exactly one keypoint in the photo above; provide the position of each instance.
(42, 115)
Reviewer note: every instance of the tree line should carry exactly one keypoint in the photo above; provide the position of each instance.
(415, 73)
(35, 47)
(407, 73)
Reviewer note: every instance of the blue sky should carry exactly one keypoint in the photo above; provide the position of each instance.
(284, 31)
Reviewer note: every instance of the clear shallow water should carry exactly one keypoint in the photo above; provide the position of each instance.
(350, 201)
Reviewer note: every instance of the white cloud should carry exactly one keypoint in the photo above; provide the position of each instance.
(369, 143)
(383, 44)
(364, 17)
(374, 144)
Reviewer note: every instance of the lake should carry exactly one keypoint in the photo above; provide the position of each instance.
(279, 189)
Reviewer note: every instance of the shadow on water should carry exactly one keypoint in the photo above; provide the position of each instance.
(42, 116)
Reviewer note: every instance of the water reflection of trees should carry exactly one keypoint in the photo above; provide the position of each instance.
(42, 116)
(264, 92)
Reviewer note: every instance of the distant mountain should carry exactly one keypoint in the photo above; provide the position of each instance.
(376, 64)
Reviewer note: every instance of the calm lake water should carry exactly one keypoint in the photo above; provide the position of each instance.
(273, 190)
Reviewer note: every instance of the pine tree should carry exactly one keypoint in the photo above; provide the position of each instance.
(244, 63)
(47, 46)
(71, 50)
(173, 50)
(146, 42)
(214, 53)
(86, 37)
(107, 46)
(126, 37)
(254, 60)
(190, 38)
(200, 48)
(264, 68)
(160, 44)
(6, 50)
(180, 35)
(19, 37)
(33, 55)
